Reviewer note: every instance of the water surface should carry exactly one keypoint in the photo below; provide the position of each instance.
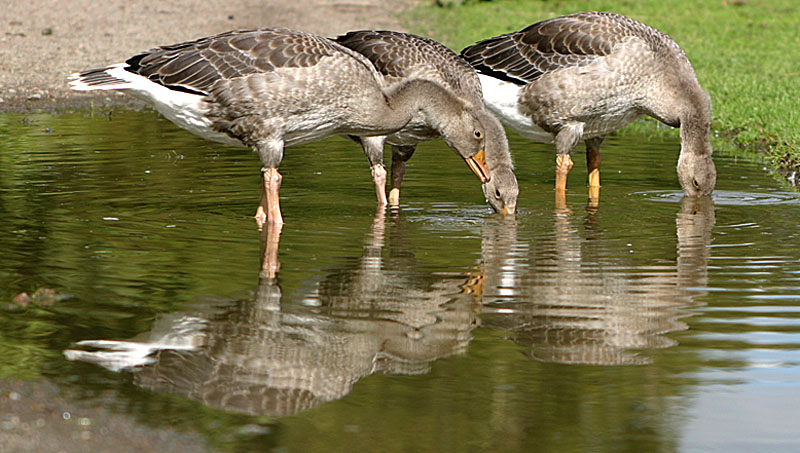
(650, 323)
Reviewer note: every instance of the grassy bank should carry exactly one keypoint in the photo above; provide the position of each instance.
(746, 54)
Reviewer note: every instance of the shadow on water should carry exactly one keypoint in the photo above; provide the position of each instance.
(438, 324)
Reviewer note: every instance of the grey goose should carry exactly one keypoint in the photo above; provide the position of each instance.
(402, 56)
(584, 75)
(269, 88)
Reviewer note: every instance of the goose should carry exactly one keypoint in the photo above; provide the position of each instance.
(584, 75)
(402, 56)
(272, 87)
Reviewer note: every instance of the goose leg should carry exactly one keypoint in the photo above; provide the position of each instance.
(261, 211)
(400, 155)
(272, 208)
(373, 148)
(593, 160)
(379, 178)
(563, 166)
(566, 139)
(269, 208)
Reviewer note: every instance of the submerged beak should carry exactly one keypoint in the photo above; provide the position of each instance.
(477, 164)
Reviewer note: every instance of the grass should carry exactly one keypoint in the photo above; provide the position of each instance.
(746, 54)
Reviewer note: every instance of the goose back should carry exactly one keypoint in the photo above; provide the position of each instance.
(401, 56)
(600, 69)
(253, 81)
(562, 42)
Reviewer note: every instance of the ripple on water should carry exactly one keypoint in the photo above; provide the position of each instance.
(728, 197)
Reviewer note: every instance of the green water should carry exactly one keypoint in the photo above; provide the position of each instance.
(650, 324)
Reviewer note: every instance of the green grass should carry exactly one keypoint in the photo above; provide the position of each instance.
(746, 54)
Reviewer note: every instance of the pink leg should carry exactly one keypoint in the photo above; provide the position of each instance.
(261, 211)
(269, 209)
(379, 177)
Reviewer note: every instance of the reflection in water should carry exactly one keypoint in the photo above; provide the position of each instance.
(373, 315)
(383, 312)
(574, 304)
(270, 235)
(104, 211)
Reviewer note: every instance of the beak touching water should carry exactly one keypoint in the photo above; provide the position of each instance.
(477, 164)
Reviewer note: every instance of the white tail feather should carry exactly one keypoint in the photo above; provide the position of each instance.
(187, 110)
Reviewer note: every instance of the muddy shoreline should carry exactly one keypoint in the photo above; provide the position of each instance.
(43, 41)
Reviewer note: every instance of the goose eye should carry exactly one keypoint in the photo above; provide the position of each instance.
(478, 134)
(695, 184)
(497, 193)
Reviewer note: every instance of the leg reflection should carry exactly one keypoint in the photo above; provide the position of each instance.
(270, 239)
(593, 160)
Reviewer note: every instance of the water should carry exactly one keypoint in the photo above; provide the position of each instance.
(651, 323)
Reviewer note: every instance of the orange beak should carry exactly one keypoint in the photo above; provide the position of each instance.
(507, 211)
(477, 164)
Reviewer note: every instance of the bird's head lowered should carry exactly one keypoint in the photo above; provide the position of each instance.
(697, 174)
(502, 190)
(466, 135)
(696, 171)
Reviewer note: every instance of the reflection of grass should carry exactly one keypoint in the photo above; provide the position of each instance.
(25, 343)
(745, 53)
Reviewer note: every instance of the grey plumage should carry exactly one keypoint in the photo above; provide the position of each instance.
(269, 88)
(584, 75)
(400, 57)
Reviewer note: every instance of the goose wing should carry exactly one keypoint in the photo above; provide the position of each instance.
(195, 66)
(562, 42)
(399, 56)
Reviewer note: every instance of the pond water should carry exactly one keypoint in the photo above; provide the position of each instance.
(652, 323)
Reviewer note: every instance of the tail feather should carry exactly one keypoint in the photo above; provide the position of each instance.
(187, 110)
(108, 78)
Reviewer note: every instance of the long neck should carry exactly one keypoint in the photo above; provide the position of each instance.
(419, 96)
(696, 125)
(498, 156)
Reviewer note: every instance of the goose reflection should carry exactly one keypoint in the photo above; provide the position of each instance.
(381, 312)
(569, 301)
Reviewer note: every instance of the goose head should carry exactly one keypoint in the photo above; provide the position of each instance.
(502, 190)
(451, 116)
(466, 135)
(697, 174)
(696, 171)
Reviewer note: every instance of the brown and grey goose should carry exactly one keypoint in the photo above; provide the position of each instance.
(270, 88)
(400, 57)
(584, 75)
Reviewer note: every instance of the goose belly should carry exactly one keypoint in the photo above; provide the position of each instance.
(501, 98)
(314, 132)
(602, 125)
